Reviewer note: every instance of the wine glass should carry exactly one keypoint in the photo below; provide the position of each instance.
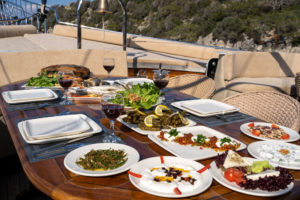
(142, 74)
(112, 111)
(161, 79)
(65, 80)
(109, 65)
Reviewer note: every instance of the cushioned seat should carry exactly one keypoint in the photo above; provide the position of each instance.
(285, 85)
(16, 30)
(256, 71)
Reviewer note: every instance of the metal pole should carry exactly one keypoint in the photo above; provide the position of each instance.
(79, 26)
(124, 28)
(43, 11)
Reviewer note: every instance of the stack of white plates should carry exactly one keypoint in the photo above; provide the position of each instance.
(205, 107)
(134, 81)
(48, 129)
(23, 96)
(129, 81)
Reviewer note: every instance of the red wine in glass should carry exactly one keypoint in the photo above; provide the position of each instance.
(112, 111)
(108, 68)
(65, 83)
(108, 65)
(161, 84)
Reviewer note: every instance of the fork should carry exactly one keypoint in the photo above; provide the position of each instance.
(59, 145)
(58, 150)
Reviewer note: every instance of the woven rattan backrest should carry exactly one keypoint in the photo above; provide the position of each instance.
(271, 107)
(297, 83)
(193, 84)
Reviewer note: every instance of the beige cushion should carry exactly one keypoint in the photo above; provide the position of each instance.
(16, 30)
(18, 66)
(89, 34)
(140, 42)
(283, 84)
(236, 65)
(264, 64)
(175, 48)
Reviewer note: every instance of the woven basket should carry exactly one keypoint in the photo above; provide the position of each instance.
(272, 107)
(195, 85)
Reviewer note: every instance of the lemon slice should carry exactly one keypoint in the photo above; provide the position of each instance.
(159, 110)
(183, 119)
(137, 110)
(148, 120)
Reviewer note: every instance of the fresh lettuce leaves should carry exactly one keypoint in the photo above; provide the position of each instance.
(42, 81)
(140, 96)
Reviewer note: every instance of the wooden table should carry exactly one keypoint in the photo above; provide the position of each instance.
(52, 178)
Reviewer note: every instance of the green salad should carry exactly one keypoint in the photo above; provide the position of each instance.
(140, 96)
(42, 81)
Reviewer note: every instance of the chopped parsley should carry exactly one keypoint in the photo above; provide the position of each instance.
(173, 132)
(224, 140)
(200, 139)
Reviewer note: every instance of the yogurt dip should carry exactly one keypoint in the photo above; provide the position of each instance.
(280, 154)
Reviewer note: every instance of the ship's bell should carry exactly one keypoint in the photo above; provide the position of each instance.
(103, 7)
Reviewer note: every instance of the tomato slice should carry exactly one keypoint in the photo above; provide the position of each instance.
(239, 180)
(232, 174)
(256, 132)
(177, 191)
(285, 136)
(228, 174)
(251, 124)
(238, 173)
(275, 126)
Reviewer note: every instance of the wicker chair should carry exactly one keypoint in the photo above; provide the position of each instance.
(273, 107)
(297, 84)
(196, 85)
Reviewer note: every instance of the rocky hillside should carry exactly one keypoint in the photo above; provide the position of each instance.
(264, 25)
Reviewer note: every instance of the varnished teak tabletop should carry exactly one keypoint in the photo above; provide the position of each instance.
(52, 178)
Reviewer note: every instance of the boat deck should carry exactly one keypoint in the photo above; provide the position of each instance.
(137, 58)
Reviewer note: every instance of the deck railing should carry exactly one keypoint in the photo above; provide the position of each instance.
(15, 12)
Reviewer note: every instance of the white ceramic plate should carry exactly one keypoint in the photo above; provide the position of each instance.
(104, 89)
(49, 127)
(294, 136)
(144, 132)
(134, 81)
(219, 177)
(204, 107)
(192, 152)
(94, 128)
(205, 177)
(85, 98)
(39, 87)
(125, 81)
(254, 150)
(23, 96)
(73, 156)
